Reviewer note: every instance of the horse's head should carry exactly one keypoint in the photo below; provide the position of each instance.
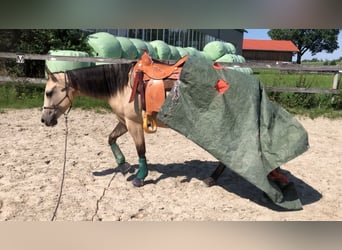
(57, 99)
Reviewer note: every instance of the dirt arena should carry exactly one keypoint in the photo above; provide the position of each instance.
(31, 163)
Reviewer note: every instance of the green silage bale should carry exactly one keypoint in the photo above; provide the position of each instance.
(174, 53)
(104, 45)
(230, 48)
(161, 49)
(215, 50)
(241, 59)
(244, 70)
(61, 66)
(192, 52)
(249, 70)
(129, 51)
(204, 55)
(151, 50)
(182, 51)
(228, 58)
(140, 45)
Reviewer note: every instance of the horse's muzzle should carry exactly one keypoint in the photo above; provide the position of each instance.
(49, 118)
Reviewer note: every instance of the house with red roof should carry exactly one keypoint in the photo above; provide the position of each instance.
(268, 50)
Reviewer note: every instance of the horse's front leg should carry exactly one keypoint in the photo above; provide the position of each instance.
(137, 133)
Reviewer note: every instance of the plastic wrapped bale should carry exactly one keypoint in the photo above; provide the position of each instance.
(182, 51)
(230, 48)
(249, 70)
(140, 45)
(240, 59)
(129, 51)
(162, 49)
(151, 50)
(227, 58)
(215, 50)
(193, 52)
(61, 66)
(245, 70)
(104, 45)
(174, 53)
(204, 55)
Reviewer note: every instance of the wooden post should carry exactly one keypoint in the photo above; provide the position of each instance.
(335, 81)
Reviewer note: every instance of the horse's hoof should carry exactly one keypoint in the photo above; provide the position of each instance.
(209, 181)
(125, 168)
(138, 182)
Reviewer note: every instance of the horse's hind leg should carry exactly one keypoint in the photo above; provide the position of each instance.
(211, 180)
(118, 131)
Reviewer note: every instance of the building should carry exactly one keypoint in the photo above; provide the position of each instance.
(268, 50)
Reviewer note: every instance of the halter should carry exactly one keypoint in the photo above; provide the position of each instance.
(56, 106)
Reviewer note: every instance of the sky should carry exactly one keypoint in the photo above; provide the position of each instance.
(262, 34)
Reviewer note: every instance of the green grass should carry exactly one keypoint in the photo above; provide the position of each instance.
(13, 95)
(312, 105)
(272, 77)
(19, 96)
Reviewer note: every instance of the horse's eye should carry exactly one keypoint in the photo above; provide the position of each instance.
(49, 93)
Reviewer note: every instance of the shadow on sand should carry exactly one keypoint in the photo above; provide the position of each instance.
(229, 180)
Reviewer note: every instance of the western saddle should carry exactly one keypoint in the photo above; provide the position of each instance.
(153, 79)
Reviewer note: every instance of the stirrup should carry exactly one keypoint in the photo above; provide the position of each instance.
(149, 124)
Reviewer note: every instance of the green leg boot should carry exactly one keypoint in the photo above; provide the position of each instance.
(119, 157)
(142, 173)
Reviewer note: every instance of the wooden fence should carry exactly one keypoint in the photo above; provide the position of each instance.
(283, 67)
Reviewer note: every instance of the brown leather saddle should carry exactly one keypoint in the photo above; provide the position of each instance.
(151, 82)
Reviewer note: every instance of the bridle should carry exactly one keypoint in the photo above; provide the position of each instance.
(56, 106)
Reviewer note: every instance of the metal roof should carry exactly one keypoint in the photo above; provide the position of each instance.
(269, 45)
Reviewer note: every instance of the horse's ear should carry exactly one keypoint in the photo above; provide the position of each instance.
(48, 72)
(50, 75)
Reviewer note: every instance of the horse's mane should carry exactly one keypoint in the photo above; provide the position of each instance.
(100, 81)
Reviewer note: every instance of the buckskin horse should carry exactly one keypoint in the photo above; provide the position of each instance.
(131, 90)
(120, 85)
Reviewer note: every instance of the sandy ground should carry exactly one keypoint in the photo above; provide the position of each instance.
(31, 163)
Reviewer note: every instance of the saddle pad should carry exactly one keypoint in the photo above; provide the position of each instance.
(154, 95)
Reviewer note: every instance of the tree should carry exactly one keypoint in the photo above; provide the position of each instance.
(39, 41)
(314, 40)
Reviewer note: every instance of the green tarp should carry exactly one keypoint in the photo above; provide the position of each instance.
(241, 127)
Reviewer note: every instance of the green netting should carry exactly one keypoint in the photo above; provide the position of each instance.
(104, 45)
(241, 128)
(60, 66)
(215, 50)
(161, 49)
(129, 51)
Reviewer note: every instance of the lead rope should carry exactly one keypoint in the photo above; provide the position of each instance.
(63, 173)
